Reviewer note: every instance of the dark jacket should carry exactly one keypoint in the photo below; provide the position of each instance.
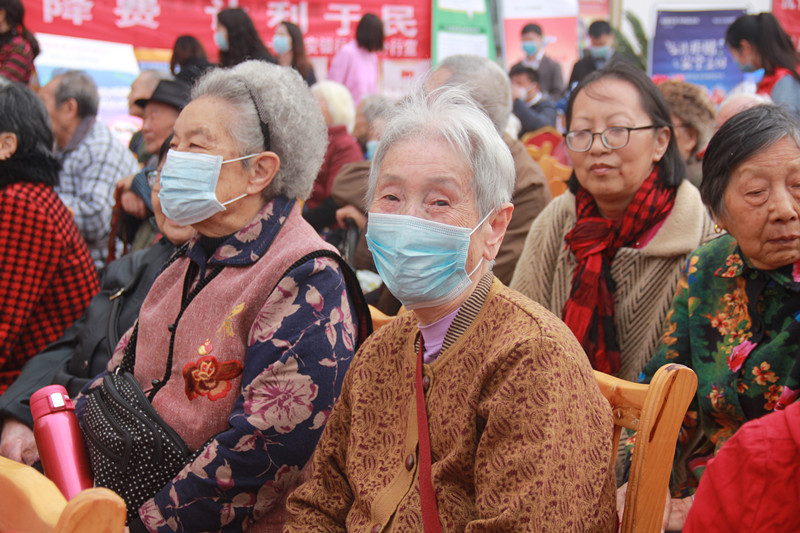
(542, 113)
(86, 347)
(583, 67)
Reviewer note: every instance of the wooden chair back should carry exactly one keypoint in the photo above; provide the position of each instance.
(655, 412)
(379, 318)
(31, 503)
(556, 173)
(538, 152)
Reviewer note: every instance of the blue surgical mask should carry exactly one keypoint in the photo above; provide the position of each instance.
(372, 147)
(600, 52)
(281, 44)
(189, 184)
(423, 263)
(530, 48)
(222, 41)
(746, 67)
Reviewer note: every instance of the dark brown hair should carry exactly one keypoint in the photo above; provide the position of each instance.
(186, 47)
(300, 60)
(243, 40)
(369, 33)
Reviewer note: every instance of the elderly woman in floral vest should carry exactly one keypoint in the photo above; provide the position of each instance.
(244, 339)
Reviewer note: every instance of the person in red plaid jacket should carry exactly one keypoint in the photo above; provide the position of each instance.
(47, 276)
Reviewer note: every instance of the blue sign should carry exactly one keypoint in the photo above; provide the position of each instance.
(691, 45)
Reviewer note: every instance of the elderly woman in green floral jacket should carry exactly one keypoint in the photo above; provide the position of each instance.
(735, 318)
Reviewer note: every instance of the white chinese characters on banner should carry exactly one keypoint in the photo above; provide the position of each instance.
(401, 47)
(697, 54)
(77, 11)
(399, 19)
(296, 13)
(137, 13)
(345, 15)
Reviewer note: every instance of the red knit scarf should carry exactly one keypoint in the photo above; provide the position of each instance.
(589, 311)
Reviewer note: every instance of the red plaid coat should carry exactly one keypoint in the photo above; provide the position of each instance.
(46, 274)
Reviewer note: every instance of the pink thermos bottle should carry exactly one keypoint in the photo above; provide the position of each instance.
(59, 440)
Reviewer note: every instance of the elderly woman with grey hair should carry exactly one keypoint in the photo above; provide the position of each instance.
(244, 339)
(459, 415)
(734, 317)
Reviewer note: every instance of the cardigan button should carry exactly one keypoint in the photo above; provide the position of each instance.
(84, 364)
(172, 327)
(426, 382)
(410, 462)
(376, 529)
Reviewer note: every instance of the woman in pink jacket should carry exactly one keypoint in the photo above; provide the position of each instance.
(355, 65)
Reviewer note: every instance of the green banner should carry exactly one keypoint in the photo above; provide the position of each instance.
(461, 27)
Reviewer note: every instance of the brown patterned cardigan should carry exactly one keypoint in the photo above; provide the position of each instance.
(520, 433)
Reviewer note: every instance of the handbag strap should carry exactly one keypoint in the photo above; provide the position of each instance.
(430, 511)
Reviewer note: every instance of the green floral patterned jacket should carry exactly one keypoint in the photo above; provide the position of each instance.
(738, 328)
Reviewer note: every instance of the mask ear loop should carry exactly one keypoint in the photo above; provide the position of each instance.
(491, 263)
(231, 161)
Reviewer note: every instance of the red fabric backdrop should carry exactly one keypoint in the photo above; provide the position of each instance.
(157, 23)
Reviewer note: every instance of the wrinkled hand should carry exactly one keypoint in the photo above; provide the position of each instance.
(125, 183)
(17, 442)
(133, 204)
(676, 512)
(351, 211)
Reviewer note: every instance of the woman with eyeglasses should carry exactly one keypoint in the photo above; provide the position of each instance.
(606, 256)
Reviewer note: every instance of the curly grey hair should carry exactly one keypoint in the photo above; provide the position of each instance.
(278, 96)
(485, 82)
(449, 114)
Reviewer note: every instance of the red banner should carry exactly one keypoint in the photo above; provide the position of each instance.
(326, 26)
(788, 13)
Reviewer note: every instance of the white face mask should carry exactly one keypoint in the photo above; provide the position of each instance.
(189, 184)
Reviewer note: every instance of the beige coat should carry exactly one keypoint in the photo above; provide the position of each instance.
(646, 278)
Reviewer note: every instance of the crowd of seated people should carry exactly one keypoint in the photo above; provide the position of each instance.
(250, 336)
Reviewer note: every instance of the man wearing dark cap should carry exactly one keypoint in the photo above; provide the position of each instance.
(160, 113)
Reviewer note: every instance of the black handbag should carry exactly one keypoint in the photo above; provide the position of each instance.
(132, 450)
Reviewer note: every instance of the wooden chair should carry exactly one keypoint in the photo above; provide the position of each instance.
(538, 152)
(379, 318)
(31, 503)
(655, 412)
(556, 174)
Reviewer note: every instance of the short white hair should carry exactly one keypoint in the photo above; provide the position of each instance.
(339, 101)
(277, 95)
(485, 82)
(449, 114)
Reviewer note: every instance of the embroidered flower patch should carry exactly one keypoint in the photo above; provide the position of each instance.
(209, 377)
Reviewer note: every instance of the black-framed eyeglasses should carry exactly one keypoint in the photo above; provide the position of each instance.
(613, 138)
(152, 177)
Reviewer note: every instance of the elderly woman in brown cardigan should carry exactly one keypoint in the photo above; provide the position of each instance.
(477, 410)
